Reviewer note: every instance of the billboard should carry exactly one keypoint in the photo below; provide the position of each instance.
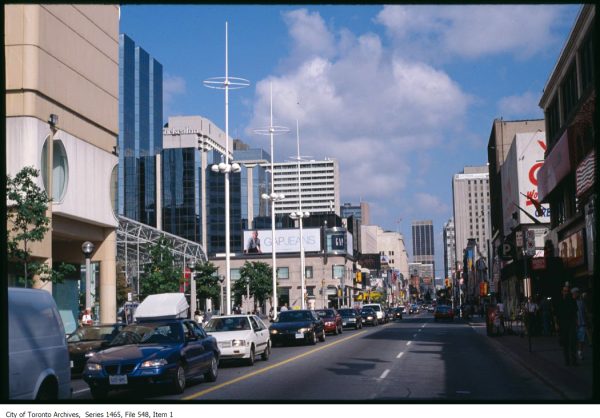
(519, 175)
(286, 241)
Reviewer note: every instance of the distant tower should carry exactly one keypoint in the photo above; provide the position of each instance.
(423, 247)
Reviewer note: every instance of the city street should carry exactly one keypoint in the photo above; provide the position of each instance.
(415, 358)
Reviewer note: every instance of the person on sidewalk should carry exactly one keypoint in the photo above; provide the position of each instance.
(531, 309)
(581, 325)
(566, 313)
(546, 310)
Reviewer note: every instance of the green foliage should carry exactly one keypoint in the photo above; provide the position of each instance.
(207, 282)
(259, 276)
(160, 274)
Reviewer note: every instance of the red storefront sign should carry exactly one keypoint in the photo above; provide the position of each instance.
(538, 264)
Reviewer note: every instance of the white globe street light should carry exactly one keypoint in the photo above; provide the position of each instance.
(271, 131)
(226, 83)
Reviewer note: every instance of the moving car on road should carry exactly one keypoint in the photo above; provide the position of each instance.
(369, 316)
(240, 337)
(397, 313)
(332, 320)
(378, 310)
(293, 326)
(443, 312)
(87, 340)
(351, 318)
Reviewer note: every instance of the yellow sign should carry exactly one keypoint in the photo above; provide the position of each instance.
(358, 277)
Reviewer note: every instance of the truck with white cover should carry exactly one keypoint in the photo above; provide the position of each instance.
(162, 306)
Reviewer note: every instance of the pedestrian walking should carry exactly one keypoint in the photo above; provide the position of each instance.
(531, 309)
(566, 313)
(581, 323)
(207, 316)
(546, 311)
(86, 318)
(284, 308)
(197, 316)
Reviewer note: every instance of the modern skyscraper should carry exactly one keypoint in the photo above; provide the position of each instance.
(193, 196)
(360, 212)
(423, 246)
(140, 131)
(449, 249)
(254, 181)
(471, 197)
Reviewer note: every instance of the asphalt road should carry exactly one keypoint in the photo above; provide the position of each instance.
(412, 359)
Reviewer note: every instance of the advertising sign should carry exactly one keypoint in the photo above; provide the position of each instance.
(370, 261)
(571, 249)
(519, 177)
(286, 241)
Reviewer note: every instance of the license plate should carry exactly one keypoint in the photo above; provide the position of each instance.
(299, 335)
(344, 323)
(119, 379)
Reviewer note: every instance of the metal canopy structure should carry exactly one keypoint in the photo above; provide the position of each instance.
(134, 240)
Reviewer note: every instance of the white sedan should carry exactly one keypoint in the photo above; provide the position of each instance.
(240, 337)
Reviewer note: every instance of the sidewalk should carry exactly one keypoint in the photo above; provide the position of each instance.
(546, 361)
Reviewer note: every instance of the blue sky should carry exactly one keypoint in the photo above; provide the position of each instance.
(402, 96)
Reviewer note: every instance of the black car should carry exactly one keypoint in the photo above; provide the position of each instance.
(351, 318)
(297, 326)
(154, 352)
(369, 316)
(87, 340)
(397, 313)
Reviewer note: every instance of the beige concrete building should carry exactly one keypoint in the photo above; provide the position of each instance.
(63, 60)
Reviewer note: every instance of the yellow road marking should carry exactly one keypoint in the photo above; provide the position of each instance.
(263, 370)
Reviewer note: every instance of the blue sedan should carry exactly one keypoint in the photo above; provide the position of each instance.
(161, 352)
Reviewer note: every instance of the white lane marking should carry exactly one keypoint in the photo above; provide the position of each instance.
(384, 374)
(463, 392)
(81, 391)
(423, 326)
(400, 355)
(408, 343)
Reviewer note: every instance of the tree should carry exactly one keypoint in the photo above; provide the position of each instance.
(160, 274)
(27, 222)
(257, 275)
(207, 282)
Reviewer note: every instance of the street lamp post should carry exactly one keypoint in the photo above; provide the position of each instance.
(226, 83)
(221, 279)
(300, 215)
(192, 266)
(273, 197)
(88, 248)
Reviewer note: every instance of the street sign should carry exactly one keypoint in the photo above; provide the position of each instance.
(505, 251)
(519, 238)
(530, 247)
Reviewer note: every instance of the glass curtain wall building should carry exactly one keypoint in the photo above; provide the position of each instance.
(423, 248)
(255, 180)
(140, 131)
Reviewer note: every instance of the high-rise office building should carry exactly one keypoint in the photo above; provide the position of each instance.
(359, 212)
(471, 197)
(140, 131)
(254, 181)
(319, 180)
(193, 196)
(449, 249)
(423, 246)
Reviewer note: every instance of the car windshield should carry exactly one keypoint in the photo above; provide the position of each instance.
(227, 324)
(325, 313)
(347, 312)
(92, 333)
(375, 307)
(294, 316)
(159, 333)
(367, 311)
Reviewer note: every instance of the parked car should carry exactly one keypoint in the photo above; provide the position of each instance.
(38, 357)
(332, 320)
(397, 313)
(369, 316)
(162, 348)
(293, 326)
(240, 337)
(351, 318)
(378, 310)
(87, 340)
(443, 312)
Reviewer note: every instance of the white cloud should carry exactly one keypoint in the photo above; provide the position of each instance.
(524, 106)
(438, 32)
(430, 203)
(363, 106)
(172, 87)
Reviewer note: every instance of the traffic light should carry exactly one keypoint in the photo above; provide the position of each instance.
(358, 277)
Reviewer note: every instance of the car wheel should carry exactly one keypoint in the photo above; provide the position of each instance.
(250, 360)
(48, 391)
(179, 380)
(313, 340)
(322, 337)
(211, 374)
(99, 393)
(265, 354)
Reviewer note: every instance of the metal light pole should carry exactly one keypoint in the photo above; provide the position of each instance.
(300, 215)
(192, 266)
(271, 131)
(88, 248)
(227, 83)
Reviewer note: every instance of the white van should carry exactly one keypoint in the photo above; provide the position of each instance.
(38, 356)
(378, 310)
